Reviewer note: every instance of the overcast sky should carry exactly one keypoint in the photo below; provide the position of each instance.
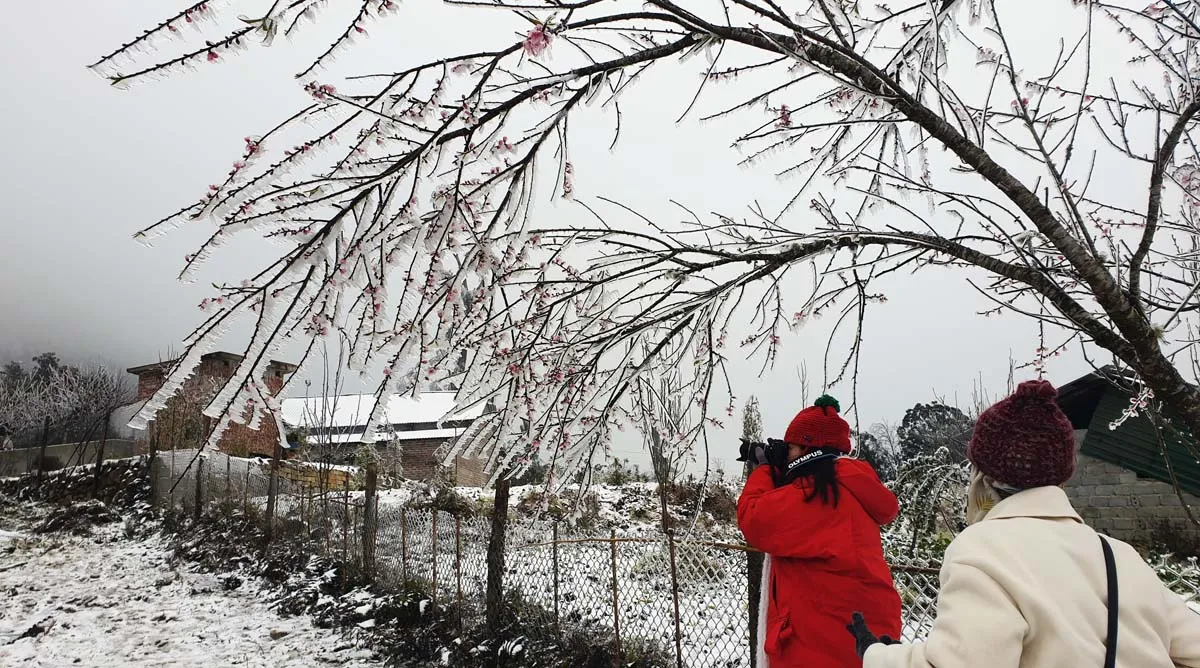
(85, 166)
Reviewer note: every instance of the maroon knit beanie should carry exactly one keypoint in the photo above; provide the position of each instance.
(820, 426)
(1025, 440)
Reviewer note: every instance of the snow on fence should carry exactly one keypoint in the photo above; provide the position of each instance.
(672, 601)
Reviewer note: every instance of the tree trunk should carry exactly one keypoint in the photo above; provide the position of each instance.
(495, 555)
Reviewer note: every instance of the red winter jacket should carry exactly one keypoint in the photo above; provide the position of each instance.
(827, 563)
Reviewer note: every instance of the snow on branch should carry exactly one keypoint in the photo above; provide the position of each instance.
(405, 202)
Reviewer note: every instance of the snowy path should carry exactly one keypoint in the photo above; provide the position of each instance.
(114, 602)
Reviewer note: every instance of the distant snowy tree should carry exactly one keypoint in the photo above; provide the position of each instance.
(928, 428)
(752, 424)
(877, 447)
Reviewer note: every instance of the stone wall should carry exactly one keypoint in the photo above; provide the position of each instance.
(121, 482)
(1141, 511)
(22, 460)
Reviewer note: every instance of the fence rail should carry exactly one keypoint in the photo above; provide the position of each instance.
(665, 600)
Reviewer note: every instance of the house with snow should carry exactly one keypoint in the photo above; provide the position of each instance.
(181, 424)
(415, 429)
(1131, 480)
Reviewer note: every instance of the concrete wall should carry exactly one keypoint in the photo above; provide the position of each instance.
(17, 462)
(1116, 502)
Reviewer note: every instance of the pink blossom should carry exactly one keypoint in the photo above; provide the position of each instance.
(785, 117)
(537, 40)
(212, 56)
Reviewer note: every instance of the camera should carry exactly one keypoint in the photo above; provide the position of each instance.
(773, 452)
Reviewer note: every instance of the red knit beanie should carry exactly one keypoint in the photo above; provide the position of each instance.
(1025, 440)
(820, 426)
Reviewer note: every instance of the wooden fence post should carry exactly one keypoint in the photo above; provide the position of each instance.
(246, 493)
(199, 488)
(616, 601)
(554, 560)
(754, 569)
(42, 454)
(346, 522)
(228, 480)
(675, 597)
(370, 516)
(273, 491)
(100, 453)
(435, 556)
(404, 544)
(153, 458)
(458, 566)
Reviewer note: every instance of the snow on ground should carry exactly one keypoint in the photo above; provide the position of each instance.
(108, 601)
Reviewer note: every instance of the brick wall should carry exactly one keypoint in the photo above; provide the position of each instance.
(469, 472)
(238, 440)
(420, 461)
(1116, 502)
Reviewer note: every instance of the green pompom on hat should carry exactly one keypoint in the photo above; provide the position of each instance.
(827, 401)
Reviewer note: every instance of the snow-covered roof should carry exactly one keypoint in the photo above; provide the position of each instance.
(353, 410)
(415, 435)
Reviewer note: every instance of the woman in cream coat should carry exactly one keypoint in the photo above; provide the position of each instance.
(1026, 586)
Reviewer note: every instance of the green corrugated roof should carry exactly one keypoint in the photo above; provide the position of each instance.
(1134, 445)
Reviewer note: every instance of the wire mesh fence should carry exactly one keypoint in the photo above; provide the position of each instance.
(656, 599)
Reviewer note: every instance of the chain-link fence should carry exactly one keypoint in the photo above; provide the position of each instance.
(657, 600)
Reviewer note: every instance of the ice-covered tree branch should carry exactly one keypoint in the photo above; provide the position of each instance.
(410, 224)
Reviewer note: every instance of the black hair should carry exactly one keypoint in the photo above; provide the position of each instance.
(824, 481)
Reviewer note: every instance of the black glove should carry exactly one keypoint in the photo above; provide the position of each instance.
(776, 454)
(863, 638)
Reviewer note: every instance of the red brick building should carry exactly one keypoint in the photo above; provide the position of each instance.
(415, 429)
(180, 424)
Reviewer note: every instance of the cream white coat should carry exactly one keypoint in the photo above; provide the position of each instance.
(1026, 588)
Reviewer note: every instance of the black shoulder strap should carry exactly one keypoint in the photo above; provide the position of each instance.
(1110, 567)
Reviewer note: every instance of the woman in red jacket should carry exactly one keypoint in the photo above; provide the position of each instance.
(817, 514)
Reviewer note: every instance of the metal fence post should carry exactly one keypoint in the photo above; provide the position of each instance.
(554, 558)
(675, 597)
(616, 602)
